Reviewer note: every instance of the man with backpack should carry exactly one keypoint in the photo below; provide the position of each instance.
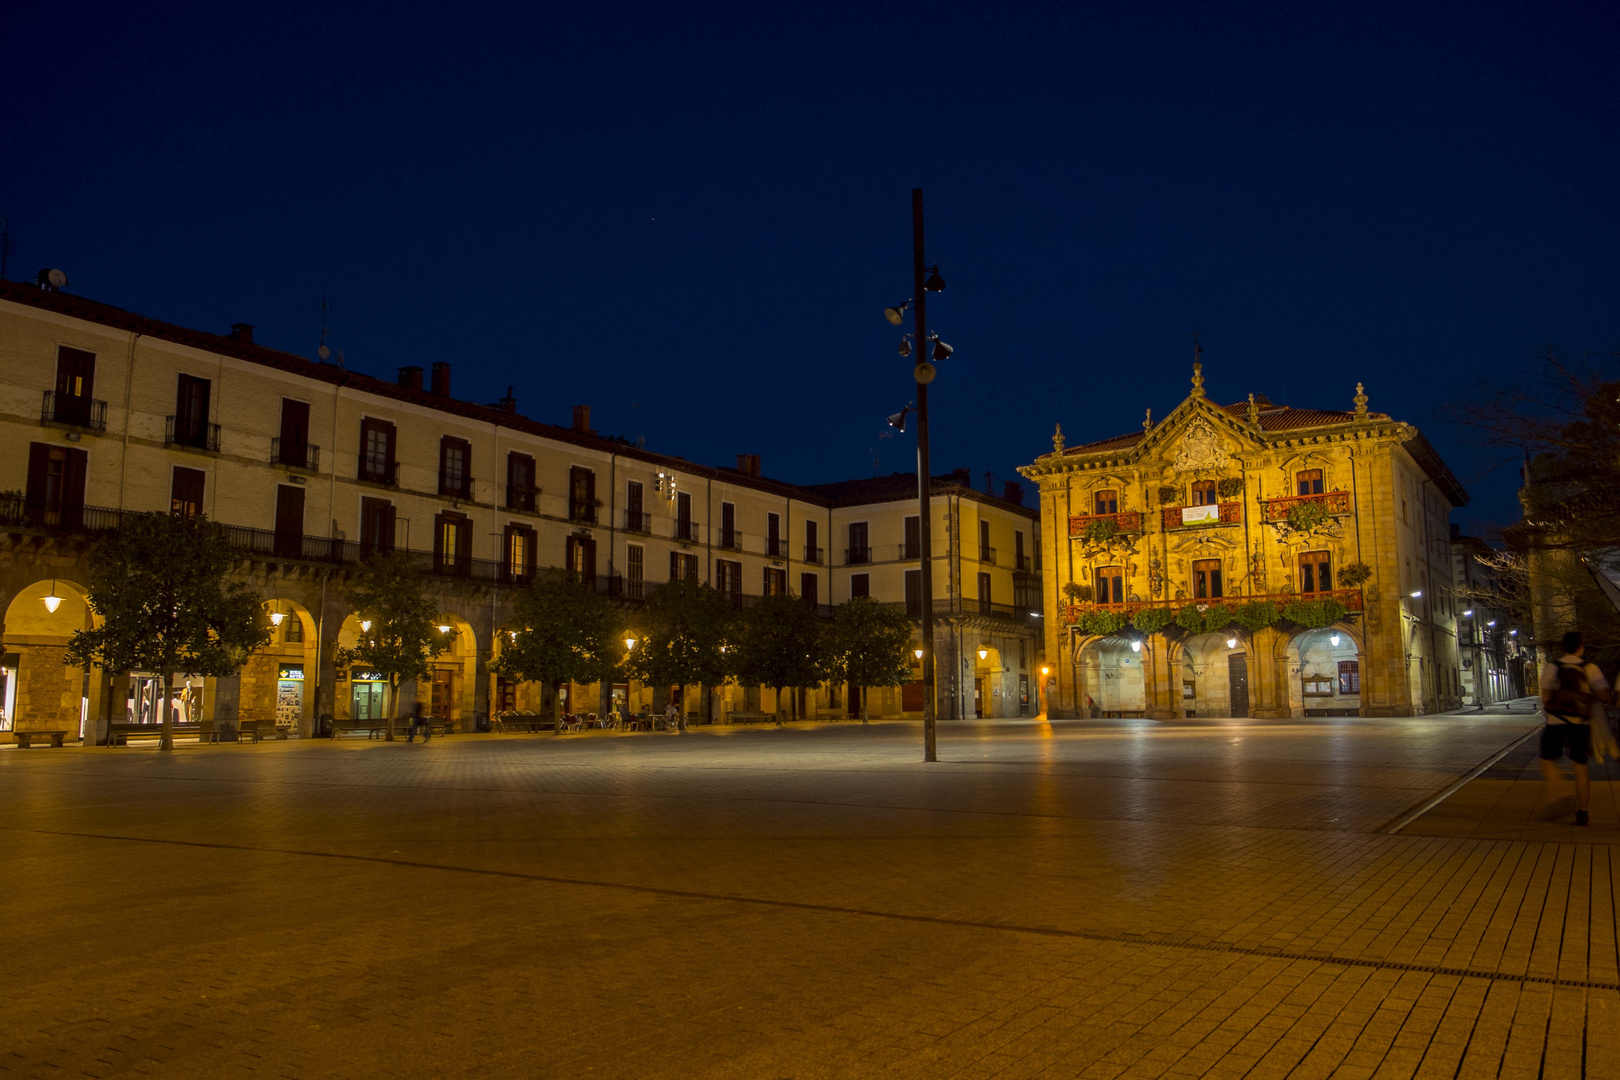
(1572, 696)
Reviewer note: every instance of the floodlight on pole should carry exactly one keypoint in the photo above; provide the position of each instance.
(935, 283)
(897, 314)
(898, 420)
(905, 345)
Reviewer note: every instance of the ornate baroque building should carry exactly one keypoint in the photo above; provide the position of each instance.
(1237, 507)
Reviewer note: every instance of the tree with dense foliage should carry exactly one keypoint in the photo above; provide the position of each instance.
(158, 585)
(1568, 426)
(399, 635)
(781, 643)
(562, 630)
(686, 632)
(869, 644)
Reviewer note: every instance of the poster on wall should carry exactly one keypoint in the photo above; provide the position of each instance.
(289, 695)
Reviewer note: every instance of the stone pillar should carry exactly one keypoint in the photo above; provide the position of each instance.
(1157, 681)
(1268, 675)
(226, 707)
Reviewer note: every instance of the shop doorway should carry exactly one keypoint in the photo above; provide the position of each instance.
(368, 697)
(444, 703)
(978, 698)
(1237, 676)
(289, 697)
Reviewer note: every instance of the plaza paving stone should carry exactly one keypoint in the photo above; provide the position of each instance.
(1117, 898)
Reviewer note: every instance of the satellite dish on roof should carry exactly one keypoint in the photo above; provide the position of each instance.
(323, 352)
(52, 279)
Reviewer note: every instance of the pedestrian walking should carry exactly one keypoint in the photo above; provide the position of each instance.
(1572, 697)
(419, 721)
(669, 717)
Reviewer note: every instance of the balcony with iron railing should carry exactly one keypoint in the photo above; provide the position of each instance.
(1022, 564)
(776, 547)
(857, 556)
(637, 521)
(686, 531)
(731, 539)
(1351, 599)
(813, 555)
(1126, 521)
(521, 497)
(295, 455)
(74, 411)
(987, 555)
(375, 469)
(1189, 517)
(582, 511)
(1336, 503)
(910, 551)
(192, 432)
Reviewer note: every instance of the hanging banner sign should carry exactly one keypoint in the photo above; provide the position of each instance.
(1209, 512)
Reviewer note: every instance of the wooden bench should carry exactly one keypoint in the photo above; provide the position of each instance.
(525, 723)
(120, 734)
(751, 718)
(25, 739)
(373, 728)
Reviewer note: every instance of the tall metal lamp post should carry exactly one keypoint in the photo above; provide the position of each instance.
(924, 281)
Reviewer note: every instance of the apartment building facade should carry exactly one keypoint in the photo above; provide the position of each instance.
(314, 468)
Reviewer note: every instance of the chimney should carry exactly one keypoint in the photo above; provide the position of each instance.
(441, 379)
(508, 403)
(1012, 491)
(582, 418)
(410, 378)
(243, 332)
(748, 464)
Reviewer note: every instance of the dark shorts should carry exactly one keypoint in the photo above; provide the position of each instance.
(1559, 739)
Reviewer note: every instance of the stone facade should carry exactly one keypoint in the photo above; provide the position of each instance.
(1244, 504)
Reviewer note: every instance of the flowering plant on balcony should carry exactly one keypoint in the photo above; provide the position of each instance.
(1256, 615)
(1230, 487)
(1354, 575)
(1314, 614)
(1205, 621)
(1101, 623)
(1170, 495)
(1077, 592)
(1100, 530)
(1153, 620)
(1307, 516)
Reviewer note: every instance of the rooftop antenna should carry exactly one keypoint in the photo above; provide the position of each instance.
(322, 351)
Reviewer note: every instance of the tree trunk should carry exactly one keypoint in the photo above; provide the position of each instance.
(556, 707)
(863, 704)
(166, 715)
(393, 704)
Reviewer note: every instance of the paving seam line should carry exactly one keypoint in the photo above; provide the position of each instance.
(1405, 819)
(872, 913)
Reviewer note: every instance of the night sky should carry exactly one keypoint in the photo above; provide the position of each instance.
(702, 210)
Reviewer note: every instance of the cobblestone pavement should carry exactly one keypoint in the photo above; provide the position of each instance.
(1081, 899)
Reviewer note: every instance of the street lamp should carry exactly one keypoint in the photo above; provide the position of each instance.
(444, 628)
(984, 653)
(365, 626)
(629, 642)
(51, 602)
(923, 373)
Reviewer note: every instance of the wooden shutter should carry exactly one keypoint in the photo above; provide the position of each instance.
(294, 429)
(186, 492)
(39, 464)
(73, 481)
(289, 521)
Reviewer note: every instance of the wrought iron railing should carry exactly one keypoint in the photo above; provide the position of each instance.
(987, 554)
(1227, 513)
(74, 411)
(192, 432)
(299, 455)
(637, 521)
(1336, 503)
(1352, 600)
(520, 497)
(813, 555)
(857, 556)
(1126, 521)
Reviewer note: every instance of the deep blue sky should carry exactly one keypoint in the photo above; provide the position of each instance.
(704, 209)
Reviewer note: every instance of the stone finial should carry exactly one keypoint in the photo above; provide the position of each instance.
(1147, 424)
(1361, 403)
(1057, 440)
(1254, 411)
(1198, 373)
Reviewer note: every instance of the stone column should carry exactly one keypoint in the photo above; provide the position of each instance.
(226, 706)
(1160, 704)
(1268, 675)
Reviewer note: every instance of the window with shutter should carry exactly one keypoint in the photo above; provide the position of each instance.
(1106, 502)
(775, 581)
(454, 473)
(1203, 493)
(1315, 572)
(377, 451)
(985, 596)
(1206, 579)
(635, 572)
(186, 492)
(913, 548)
(860, 585)
(520, 482)
(1309, 481)
(1110, 585)
(810, 588)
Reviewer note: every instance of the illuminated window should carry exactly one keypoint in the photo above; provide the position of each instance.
(1310, 481)
(1203, 493)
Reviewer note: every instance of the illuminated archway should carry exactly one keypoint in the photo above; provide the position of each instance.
(39, 691)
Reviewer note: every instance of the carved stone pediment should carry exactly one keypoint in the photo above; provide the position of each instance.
(1200, 450)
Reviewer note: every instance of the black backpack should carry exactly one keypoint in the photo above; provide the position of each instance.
(1572, 697)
